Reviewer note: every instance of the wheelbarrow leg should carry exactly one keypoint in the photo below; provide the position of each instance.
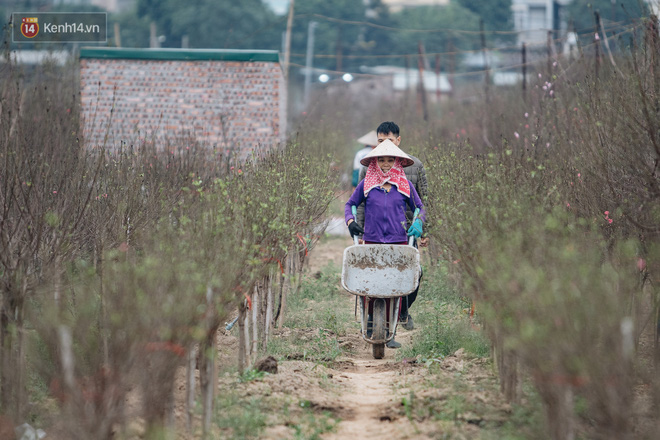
(394, 316)
(363, 314)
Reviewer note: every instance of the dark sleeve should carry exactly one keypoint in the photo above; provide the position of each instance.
(421, 184)
(415, 202)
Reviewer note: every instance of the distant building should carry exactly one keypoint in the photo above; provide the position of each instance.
(401, 80)
(532, 19)
(37, 57)
(397, 5)
(231, 100)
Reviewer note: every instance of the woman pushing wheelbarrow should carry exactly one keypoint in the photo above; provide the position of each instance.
(384, 266)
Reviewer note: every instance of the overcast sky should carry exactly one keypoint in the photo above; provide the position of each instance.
(279, 6)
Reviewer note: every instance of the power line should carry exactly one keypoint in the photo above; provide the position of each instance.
(508, 67)
(539, 45)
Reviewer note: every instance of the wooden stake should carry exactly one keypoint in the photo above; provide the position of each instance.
(255, 322)
(269, 309)
(190, 387)
(241, 338)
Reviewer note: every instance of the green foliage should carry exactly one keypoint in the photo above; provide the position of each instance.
(495, 14)
(581, 13)
(448, 18)
(330, 36)
(213, 24)
(250, 375)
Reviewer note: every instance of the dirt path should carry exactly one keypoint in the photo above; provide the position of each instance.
(372, 389)
(372, 397)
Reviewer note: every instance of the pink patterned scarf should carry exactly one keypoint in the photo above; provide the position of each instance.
(396, 176)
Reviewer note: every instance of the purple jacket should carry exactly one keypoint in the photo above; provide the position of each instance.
(384, 212)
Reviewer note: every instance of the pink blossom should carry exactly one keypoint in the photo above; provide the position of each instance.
(239, 171)
(568, 205)
(515, 133)
(552, 92)
(575, 109)
(231, 168)
(596, 37)
(540, 76)
(641, 264)
(526, 125)
(547, 145)
(554, 64)
(579, 174)
(526, 115)
(606, 213)
(609, 220)
(54, 192)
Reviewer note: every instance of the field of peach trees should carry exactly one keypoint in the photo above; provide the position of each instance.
(118, 266)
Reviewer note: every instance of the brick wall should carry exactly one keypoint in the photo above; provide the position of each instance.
(233, 100)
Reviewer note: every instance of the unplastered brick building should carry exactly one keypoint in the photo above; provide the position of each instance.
(230, 100)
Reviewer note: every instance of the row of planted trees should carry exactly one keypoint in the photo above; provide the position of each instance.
(552, 227)
(117, 267)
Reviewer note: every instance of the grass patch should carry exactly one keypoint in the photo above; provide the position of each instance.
(320, 346)
(316, 317)
(240, 418)
(312, 425)
(440, 312)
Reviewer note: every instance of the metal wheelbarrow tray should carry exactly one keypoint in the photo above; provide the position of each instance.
(380, 270)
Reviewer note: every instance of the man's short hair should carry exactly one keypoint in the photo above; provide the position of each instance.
(387, 128)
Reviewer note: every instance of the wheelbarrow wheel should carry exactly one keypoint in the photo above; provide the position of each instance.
(379, 330)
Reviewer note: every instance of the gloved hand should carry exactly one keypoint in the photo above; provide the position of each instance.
(355, 229)
(416, 228)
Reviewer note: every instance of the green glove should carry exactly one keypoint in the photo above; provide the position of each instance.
(416, 228)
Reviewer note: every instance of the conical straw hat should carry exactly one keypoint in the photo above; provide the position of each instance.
(370, 139)
(387, 148)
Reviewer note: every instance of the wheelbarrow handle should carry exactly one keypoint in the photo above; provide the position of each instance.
(411, 239)
(354, 212)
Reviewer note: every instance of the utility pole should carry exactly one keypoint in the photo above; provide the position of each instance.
(153, 36)
(287, 41)
(308, 63)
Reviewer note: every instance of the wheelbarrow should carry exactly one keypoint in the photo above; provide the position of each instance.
(380, 274)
